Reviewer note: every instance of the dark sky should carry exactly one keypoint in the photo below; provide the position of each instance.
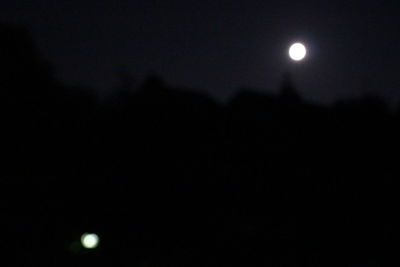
(219, 46)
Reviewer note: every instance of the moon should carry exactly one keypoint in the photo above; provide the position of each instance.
(297, 51)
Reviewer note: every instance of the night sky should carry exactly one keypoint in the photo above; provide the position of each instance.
(219, 46)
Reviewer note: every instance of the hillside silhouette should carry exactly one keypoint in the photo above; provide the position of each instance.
(181, 179)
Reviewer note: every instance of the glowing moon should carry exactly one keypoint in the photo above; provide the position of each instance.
(297, 51)
(89, 241)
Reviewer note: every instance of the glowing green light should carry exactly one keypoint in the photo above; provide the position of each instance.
(90, 240)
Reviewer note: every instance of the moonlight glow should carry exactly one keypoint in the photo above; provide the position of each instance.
(297, 51)
(90, 241)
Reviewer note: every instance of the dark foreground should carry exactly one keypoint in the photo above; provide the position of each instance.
(171, 178)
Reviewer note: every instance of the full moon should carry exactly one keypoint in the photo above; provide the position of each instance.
(297, 51)
(90, 241)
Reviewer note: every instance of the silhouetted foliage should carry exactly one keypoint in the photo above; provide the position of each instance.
(288, 91)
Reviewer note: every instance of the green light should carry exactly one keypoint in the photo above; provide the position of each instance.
(90, 240)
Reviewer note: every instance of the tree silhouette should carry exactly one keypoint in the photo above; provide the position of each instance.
(288, 91)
